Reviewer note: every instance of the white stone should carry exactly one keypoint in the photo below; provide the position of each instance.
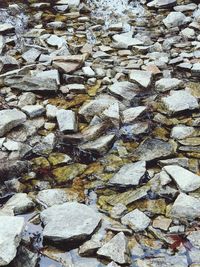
(33, 110)
(88, 71)
(143, 78)
(166, 84)
(66, 120)
(126, 40)
(175, 19)
(125, 90)
(129, 115)
(182, 131)
(51, 111)
(136, 220)
(50, 197)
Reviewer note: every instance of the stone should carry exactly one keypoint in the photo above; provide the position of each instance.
(180, 101)
(141, 77)
(20, 203)
(27, 99)
(167, 84)
(51, 197)
(70, 3)
(188, 33)
(126, 40)
(49, 74)
(131, 114)
(90, 247)
(185, 207)
(10, 118)
(66, 120)
(115, 249)
(175, 19)
(125, 90)
(100, 145)
(164, 261)
(25, 258)
(8, 63)
(10, 236)
(59, 158)
(162, 223)
(152, 149)
(6, 28)
(69, 222)
(33, 111)
(56, 41)
(182, 131)
(31, 55)
(118, 211)
(186, 180)
(129, 174)
(28, 84)
(136, 220)
(162, 3)
(194, 238)
(51, 111)
(88, 72)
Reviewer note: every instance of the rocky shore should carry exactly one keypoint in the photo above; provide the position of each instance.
(99, 133)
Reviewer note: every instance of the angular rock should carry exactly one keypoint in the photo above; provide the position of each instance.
(175, 19)
(66, 120)
(129, 174)
(129, 115)
(162, 3)
(8, 63)
(180, 101)
(33, 110)
(6, 28)
(186, 180)
(194, 238)
(152, 149)
(10, 236)
(31, 55)
(115, 249)
(69, 222)
(10, 118)
(49, 74)
(136, 220)
(181, 132)
(124, 90)
(167, 84)
(126, 40)
(141, 77)
(186, 207)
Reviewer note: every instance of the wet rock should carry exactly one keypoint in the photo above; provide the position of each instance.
(6, 28)
(100, 145)
(175, 19)
(136, 220)
(18, 204)
(152, 149)
(33, 110)
(29, 84)
(186, 180)
(126, 40)
(115, 249)
(10, 236)
(69, 222)
(50, 197)
(66, 120)
(133, 174)
(180, 101)
(141, 77)
(129, 115)
(124, 90)
(186, 207)
(10, 118)
(167, 84)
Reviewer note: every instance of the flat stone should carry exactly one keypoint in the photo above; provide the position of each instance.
(186, 180)
(10, 236)
(125, 90)
(175, 19)
(182, 131)
(126, 40)
(9, 119)
(66, 120)
(162, 3)
(18, 204)
(70, 3)
(8, 63)
(49, 74)
(115, 249)
(129, 174)
(6, 28)
(136, 220)
(167, 84)
(141, 77)
(28, 98)
(131, 114)
(31, 55)
(100, 145)
(185, 207)
(28, 84)
(33, 110)
(54, 40)
(152, 149)
(194, 238)
(69, 222)
(162, 223)
(180, 101)
(118, 211)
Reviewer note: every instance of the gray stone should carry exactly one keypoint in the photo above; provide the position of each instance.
(50, 197)
(136, 220)
(33, 110)
(118, 211)
(115, 249)
(194, 238)
(141, 77)
(167, 84)
(66, 120)
(129, 115)
(25, 258)
(152, 149)
(162, 3)
(70, 3)
(31, 55)
(10, 236)
(126, 40)
(18, 204)
(175, 19)
(8, 63)
(180, 101)
(129, 174)
(49, 74)
(185, 207)
(182, 131)
(69, 222)
(27, 99)
(6, 28)
(54, 40)
(125, 90)
(10, 118)
(186, 180)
